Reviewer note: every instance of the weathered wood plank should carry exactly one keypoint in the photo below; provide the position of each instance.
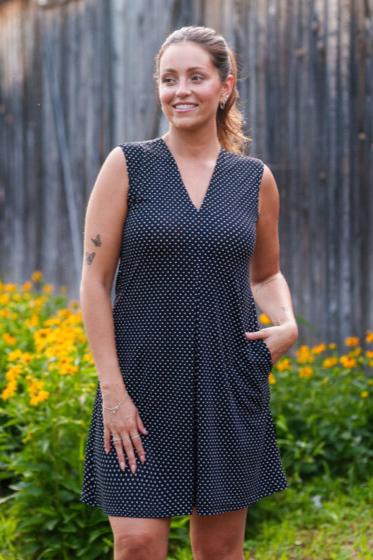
(306, 89)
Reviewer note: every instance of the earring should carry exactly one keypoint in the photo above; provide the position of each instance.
(222, 103)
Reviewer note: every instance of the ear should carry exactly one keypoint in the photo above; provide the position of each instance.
(229, 85)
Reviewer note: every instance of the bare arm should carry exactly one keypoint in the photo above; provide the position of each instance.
(104, 222)
(105, 216)
(269, 287)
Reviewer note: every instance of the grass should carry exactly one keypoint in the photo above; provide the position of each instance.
(317, 524)
(323, 521)
(310, 522)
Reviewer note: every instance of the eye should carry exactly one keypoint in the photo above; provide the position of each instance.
(168, 80)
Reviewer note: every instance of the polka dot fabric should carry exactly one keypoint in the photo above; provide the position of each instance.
(182, 304)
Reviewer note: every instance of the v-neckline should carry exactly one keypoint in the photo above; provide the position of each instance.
(182, 184)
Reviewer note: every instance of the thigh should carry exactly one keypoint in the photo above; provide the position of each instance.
(138, 534)
(218, 535)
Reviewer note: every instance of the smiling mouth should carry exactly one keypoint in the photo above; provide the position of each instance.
(184, 107)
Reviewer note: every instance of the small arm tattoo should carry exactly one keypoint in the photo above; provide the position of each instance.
(97, 241)
(90, 257)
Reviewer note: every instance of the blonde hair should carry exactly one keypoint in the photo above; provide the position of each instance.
(230, 119)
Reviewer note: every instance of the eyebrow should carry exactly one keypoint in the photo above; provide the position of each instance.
(188, 69)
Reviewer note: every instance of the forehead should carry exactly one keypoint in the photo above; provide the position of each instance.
(185, 56)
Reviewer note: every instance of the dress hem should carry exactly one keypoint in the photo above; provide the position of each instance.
(93, 503)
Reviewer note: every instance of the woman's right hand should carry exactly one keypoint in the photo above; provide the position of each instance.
(124, 424)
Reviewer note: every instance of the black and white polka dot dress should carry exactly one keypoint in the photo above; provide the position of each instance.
(182, 305)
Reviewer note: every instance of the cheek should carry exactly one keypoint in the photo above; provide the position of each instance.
(207, 94)
(165, 96)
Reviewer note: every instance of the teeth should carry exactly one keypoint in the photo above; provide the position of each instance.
(184, 106)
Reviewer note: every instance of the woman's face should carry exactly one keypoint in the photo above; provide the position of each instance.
(189, 85)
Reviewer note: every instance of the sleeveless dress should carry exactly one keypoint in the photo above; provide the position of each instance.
(181, 307)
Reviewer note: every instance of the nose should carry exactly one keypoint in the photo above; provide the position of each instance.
(183, 88)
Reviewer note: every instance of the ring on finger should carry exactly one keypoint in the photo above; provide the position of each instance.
(136, 436)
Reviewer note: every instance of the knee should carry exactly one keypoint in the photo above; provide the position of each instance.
(220, 549)
(137, 546)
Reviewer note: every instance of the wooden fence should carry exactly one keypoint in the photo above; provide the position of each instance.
(76, 80)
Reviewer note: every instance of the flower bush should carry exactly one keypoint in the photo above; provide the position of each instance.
(320, 402)
(323, 410)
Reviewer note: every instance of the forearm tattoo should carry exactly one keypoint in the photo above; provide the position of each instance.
(97, 242)
(89, 257)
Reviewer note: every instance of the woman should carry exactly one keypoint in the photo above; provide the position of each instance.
(181, 423)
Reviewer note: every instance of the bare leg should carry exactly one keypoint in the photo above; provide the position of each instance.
(220, 537)
(138, 538)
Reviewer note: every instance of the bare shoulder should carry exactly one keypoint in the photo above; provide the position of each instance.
(114, 169)
(268, 178)
(268, 193)
(105, 217)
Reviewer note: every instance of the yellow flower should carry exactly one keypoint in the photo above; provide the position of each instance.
(283, 365)
(264, 319)
(15, 355)
(9, 339)
(369, 337)
(10, 287)
(68, 370)
(36, 276)
(305, 371)
(27, 286)
(4, 299)
(352, 341)
(33, 321)
(304, 355)
(364, 394)
(13, 373)
(369, 353)
(9, 390)
(329, 362)
(332, 345)
(271, 379)
(48, 288)
(348, 361)
(40, 397)
(88, 358)
(319, 348)
(27, 357)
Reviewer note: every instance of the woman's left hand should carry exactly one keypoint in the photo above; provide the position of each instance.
(278, 338)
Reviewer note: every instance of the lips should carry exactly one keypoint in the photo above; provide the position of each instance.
(187, 104)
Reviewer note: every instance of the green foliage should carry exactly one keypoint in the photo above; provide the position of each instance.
(323, 423)
(321, 409)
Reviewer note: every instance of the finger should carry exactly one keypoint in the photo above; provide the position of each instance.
(136, 439)
(255, 335)
(118, 444)
(141, 426)
(129, 452)
(106, 439)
